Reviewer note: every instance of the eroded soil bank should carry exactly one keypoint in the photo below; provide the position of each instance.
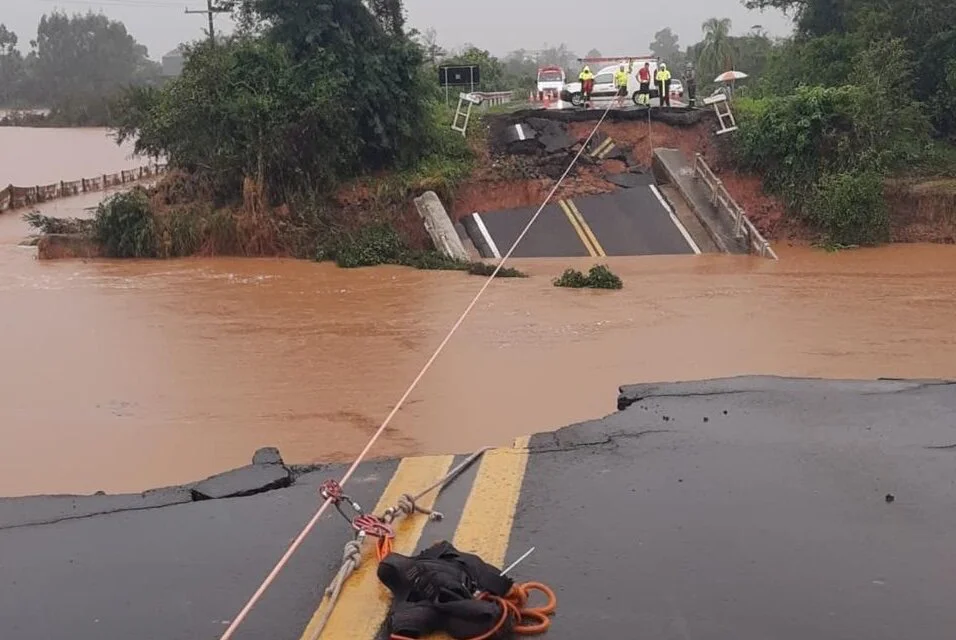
(921, 211)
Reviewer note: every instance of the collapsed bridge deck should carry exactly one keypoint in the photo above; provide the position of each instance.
(629, 222)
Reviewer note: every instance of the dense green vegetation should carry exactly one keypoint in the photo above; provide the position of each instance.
(264, 127)
(598, 277)
(74, 68)
(864, 90)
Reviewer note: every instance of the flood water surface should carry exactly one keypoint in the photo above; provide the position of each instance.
(124, 375)
(32, 156)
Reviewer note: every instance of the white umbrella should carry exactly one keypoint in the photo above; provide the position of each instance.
(730, 76)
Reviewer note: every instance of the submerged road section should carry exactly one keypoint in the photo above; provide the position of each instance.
(742, 508)
(629, 222)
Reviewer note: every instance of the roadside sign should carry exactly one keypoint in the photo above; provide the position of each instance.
(459, 75)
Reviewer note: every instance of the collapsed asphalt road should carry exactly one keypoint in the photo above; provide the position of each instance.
(633, 219)
(744, 508)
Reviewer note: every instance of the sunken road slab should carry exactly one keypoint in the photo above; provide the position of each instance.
(628, 222)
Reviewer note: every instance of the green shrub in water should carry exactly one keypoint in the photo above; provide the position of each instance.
(598, 277)
(380, 244)
(482, 269)
(124, 226)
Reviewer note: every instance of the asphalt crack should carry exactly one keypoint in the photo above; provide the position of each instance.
(610, 438)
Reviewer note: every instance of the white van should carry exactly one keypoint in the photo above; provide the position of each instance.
(604, 83)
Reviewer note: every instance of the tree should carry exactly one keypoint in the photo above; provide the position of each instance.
(79, 62)
(559, 55)
(716, 53)
(311, 93)
(429, 42)
(593, 53)
(521, 70)
(829, 33)
(665, 46)
(12, 69)
(752, 52)
(492, 72)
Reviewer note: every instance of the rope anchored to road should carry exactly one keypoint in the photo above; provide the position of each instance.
(379, 527)
(299, 539)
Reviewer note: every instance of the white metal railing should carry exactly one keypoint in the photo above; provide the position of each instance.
(494, 98)
(726, 205)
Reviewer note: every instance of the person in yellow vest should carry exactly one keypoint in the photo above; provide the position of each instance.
(663, 79)
(587, 85)
(620, 84)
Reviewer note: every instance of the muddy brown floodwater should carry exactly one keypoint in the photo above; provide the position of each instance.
(31, 156)
(134, 374)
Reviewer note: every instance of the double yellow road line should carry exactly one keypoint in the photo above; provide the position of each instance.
(484, 529)
(594, 248)
(603, 149)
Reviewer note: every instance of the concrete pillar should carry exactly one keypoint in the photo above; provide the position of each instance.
(439, 226)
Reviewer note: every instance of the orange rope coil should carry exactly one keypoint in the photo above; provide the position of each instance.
(528, 621)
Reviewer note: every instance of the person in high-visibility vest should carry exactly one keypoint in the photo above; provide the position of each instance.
(663, 78)
(620, 84)
(587, 84)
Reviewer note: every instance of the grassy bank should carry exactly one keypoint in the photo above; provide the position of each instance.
(126, 225)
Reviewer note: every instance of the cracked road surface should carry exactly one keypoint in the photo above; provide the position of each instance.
(628, 222)
(733, 509)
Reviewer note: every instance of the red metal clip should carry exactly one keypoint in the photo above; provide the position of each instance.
(331, 490)
(373, 526)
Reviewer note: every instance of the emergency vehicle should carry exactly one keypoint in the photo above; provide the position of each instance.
(551, 80)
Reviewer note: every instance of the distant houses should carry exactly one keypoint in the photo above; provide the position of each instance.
(173, 63)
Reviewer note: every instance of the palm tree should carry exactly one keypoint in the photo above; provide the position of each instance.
(716, 50)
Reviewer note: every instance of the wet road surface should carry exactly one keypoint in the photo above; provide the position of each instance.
(628, 222)
(735, 509)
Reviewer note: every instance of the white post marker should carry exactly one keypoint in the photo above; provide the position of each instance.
(487, 236)
(520, 131)
(677, 223)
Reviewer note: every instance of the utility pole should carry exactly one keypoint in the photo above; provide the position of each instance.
(210, 11)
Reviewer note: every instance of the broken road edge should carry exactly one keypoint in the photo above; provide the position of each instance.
(269, 472)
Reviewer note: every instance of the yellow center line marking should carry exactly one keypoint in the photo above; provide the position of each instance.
(364, 601)
(489, 513)
(577, 227)
(587, 229)
(607, 150)
(485, 525)
(601, 147)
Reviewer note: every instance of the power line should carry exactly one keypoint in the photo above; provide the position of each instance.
(210, 11)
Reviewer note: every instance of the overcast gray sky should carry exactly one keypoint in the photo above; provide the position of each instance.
(615, 27)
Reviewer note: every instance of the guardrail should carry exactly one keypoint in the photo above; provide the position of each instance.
(18, 197)
(726, 205)
(494, 98)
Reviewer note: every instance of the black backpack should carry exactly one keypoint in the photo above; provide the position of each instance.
(436, 591)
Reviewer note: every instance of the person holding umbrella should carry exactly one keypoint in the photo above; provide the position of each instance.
(731, 77)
